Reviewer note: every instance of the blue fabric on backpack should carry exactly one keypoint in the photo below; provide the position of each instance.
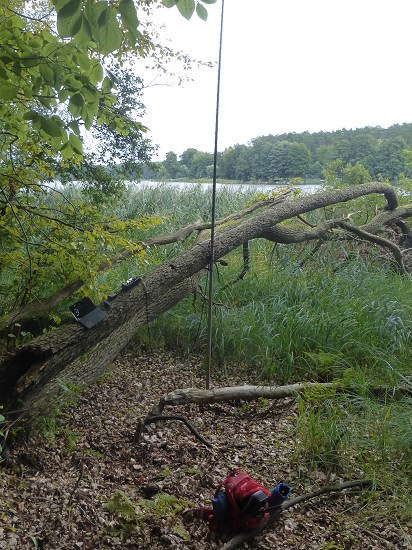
(220, 505)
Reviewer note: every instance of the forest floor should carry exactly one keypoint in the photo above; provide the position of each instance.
(81, 484)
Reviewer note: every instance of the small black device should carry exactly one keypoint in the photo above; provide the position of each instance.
(109, 299)
(86, 313)
(130, 283)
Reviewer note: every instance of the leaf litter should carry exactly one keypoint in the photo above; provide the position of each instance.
(86, 486)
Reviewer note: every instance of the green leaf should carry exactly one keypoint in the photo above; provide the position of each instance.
(63, 95)
(96, 74)
(76, 144)
(169, 3)
(90, 109)
(92, 12)
(7, 91)
(68, 8)
(201, 12)
(84, 62)
(29, 60)
(109, 35)
(50, 127)
(45, 102)
(17, 21)
(84, 35)
(47, 73)
(69, 18)
(209, 1)
(88, 121)
(56, 144)
(30, 115)
(48, 49)
(107, 84)
(186, 8)
(28, 92)
(75, 104)
(129, 16)
(35, 43)
(103, 25)
(66, 151)
(75, 127)
(69, 26)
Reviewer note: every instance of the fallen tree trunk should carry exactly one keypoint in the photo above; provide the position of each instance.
(73, 354)
(234, 393)
(230, 394)
(46, 304)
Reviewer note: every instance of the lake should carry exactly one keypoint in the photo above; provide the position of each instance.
(234, 187)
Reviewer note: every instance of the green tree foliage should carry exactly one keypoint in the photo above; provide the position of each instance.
(299, 160)
(171, 164)
(199, 167)
(279, 163)
(187, 156)
(277, 157)
(114, 156)
(341, 150)
(390, 160)
(337, 174)
(262, 160)
(53, 87)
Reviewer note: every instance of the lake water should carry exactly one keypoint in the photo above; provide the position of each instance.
(234, 187)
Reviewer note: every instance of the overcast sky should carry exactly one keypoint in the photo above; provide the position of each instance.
(287, 66)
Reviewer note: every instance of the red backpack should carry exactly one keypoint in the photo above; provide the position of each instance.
(240, 503)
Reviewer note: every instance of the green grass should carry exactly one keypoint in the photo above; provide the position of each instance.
(337, 313)
(303, 324)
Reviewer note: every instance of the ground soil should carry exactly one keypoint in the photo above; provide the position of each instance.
(62, 489)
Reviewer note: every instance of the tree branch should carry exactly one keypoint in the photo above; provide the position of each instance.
(241, 538)
(163, 418)
(42, 305)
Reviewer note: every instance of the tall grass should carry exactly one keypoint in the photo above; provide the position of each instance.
(301, 314)
(294, 323)
(296, 315)
(332, 315)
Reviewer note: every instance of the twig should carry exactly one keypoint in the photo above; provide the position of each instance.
(157, 418)
(302, 219)
(246, 266)
(199, 290)
(76, 485)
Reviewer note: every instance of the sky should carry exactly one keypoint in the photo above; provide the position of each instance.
(287, 66)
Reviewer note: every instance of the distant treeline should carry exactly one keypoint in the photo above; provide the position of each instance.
(379, 153)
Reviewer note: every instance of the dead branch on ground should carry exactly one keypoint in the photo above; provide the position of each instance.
(241, 538)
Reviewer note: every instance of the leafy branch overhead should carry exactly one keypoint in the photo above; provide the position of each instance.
(56, 85)
(187, 7)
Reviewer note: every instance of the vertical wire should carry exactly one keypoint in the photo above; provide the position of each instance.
(212, 234)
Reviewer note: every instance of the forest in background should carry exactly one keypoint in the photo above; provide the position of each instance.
(360, 155)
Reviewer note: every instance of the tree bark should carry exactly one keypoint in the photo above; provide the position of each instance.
(46, 304)
(73, 354)
(232, 393)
